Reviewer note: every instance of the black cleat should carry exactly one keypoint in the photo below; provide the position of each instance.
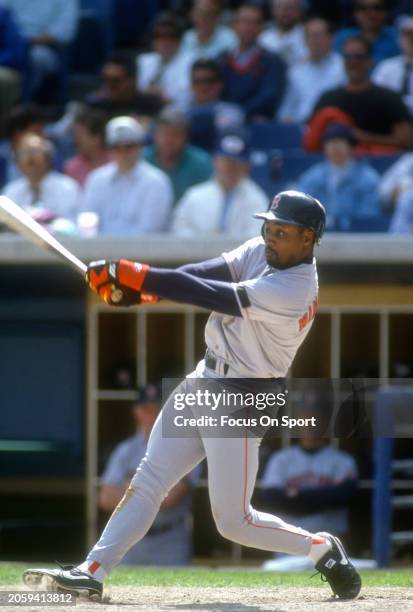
(336, 569)
(68, 578)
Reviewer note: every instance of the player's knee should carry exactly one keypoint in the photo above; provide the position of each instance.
(229, 525)
(148, 483)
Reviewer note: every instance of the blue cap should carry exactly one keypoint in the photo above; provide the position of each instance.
(234, 146)
(149, 394)
(341, 131)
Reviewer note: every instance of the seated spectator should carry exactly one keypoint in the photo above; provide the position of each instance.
(286, 35)
(402, 219)
(307, 80)
(130, 196)
(119, 95)
(208, 39)
(226, 203)
(310, 484)
(23, 119)
(166, 70)
(347, 186)
(13, 51)
(208, 115)
(253, 77)
(371, 17)
(184, 164)
(49, 195)
(380, 118)
(397, 72)
(168, 541)
(48, 28)
(397, 179)
(89, 138)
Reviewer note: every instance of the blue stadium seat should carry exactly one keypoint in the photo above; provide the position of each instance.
(269, 136)
(275, 170)
(381, 163)
(376, 223)
(103, 8)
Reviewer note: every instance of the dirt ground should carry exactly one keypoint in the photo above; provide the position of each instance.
(264, 599)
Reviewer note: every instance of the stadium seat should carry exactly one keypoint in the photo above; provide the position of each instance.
(376, 223)
(267, 136)
(381, 163)
(275, 170)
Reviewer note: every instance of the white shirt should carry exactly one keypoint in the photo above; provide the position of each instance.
(390, 73)
(307, 80)
(200, 210)
(58, 18)
(263, 342)
(293, 467)
(57, 192)
(399, 175)
(223, 39)
(129, 204)
(173, 78)
(290, 45)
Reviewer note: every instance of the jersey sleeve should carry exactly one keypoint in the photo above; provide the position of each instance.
(272, 296)
(237, 258)
(116, 471)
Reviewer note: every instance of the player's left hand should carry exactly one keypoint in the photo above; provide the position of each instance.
(119, 283)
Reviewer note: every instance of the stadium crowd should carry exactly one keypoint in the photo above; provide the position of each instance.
(126, 118)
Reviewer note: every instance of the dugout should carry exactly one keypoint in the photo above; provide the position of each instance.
(69, 364)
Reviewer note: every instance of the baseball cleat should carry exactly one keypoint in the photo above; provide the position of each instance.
(68, 578)
(336, 569)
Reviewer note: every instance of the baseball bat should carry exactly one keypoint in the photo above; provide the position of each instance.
(21, 222)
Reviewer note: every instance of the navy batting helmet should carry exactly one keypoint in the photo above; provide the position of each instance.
(296, 208)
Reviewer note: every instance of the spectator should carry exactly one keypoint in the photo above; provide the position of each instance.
(166, 70)
(322, 70)
(380, 118)
(130, 196)
(227, 202)
(12, 61)
(397, 179)
(21, 120)
(119, 95)
(286, 35)
(371, 17)
(48, 27)
(402, 219)
(168, 541)
(253, 77)
(347, 186)
(184, 164)
(397, 72)
(208, 39)
(89, 137)
(49, 195)
(311, 484)
(208, 114)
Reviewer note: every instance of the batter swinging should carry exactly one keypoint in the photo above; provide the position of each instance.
(263, 298)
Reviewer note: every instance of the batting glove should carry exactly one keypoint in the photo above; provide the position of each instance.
(119, 283)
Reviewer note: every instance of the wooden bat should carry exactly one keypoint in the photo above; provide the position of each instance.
(17, 219)
(21, 222)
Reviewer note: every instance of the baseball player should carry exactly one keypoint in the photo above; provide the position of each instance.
(263, 298)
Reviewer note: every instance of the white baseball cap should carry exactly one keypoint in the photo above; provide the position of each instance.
(124, 130)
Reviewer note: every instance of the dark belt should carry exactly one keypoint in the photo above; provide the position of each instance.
(157, 529)
(211, 363)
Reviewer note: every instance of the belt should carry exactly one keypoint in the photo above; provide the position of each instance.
(212, 363)
(157, 529)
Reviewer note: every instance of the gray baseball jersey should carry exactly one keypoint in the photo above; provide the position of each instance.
(282, 307)
(293, 467)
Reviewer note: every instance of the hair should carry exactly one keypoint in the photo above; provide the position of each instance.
(357, 3)
(207, 64)
(170, 116)
(256, 6)
(22, 117)
(328, 24)
(125, 60)
(93, 120)
(362, 41)
(168, 21)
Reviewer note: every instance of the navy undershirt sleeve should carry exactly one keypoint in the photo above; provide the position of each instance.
(180, 286)
(214, 269)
